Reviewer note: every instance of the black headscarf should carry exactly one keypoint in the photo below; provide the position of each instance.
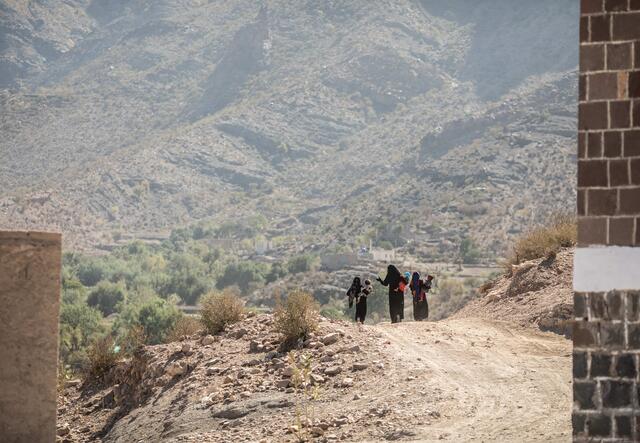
(393, 277)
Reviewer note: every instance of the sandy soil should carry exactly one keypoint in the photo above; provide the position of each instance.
(488, 380)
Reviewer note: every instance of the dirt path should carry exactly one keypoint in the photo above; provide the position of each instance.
(488, 381)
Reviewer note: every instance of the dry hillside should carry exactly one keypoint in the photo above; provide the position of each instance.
(488, 374)
(139, 116)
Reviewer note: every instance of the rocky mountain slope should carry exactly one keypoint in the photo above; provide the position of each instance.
(140, 116)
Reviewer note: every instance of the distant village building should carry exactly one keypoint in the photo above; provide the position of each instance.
(262, 245)
(334, 262)
(379, 254)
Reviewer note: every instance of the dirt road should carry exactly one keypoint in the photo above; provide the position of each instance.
(488, 381)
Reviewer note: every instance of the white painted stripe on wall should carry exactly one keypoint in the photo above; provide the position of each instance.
(606, 268)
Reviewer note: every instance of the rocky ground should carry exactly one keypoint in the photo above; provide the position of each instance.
(465, 379)
(536, 292)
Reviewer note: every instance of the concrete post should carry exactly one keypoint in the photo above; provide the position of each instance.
(29, 308)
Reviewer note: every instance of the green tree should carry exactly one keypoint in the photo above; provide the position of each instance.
(301, 263)
(106, 296)
(79, 326)
(241, 274)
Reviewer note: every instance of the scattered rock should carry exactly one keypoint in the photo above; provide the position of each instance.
(287, 372)
(340, 421)
(316, 379)
(330, 339)
(232, 412)
(63, 430)
(360, 366)
(176, 368)
(207, 340)
(333, 370)
(239, 333)
(72, 383)
(347, 382)
(253, 346)
(282, 384)
(186, 348)
(317, 431)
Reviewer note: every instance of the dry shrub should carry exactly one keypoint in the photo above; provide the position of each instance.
(185, 326)
(220, 309)
(296, 317)
(134, 339)
(102, 358)
(544, 241)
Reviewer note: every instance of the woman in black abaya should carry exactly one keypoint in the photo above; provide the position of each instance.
(396, 295)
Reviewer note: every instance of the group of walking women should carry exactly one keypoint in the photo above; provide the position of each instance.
(399, 286)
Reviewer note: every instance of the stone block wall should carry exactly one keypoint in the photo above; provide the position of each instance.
(29, 308)
(606, 333)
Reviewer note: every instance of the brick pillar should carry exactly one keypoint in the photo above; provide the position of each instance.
(606, 336)
(29, 301)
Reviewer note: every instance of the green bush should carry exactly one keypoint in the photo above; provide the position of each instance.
(90, 271)
(296, 317)
(241, 274)
(220, 309)
(301, 263)
(79, 326)
(157, 318)
(106, 296)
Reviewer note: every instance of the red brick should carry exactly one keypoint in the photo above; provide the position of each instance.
(637, 231)
(592, 231)
(620, 114)
(637, 53)
(581, 198)
(591, 6)
(594, 145)
(619, 56)
(632, 143)
(619, 172)
(621, 231)
(615, 5)
(634, 80)
(593, 116)
(602, 201)
(625, 26)
(630, 201)
(582, 88)
(636, 113)
(635, 171)
(612, 144)
(634, 5)
(592, 173)
(582, 145)
(591, 57)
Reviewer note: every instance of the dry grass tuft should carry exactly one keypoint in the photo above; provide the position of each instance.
(102, 358)
(184, 327)
(544, 241)
(220, 309)
(296, 317)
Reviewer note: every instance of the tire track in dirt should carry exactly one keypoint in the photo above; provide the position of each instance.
(492, 381)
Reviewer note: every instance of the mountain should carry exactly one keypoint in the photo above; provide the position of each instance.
(336, 121)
